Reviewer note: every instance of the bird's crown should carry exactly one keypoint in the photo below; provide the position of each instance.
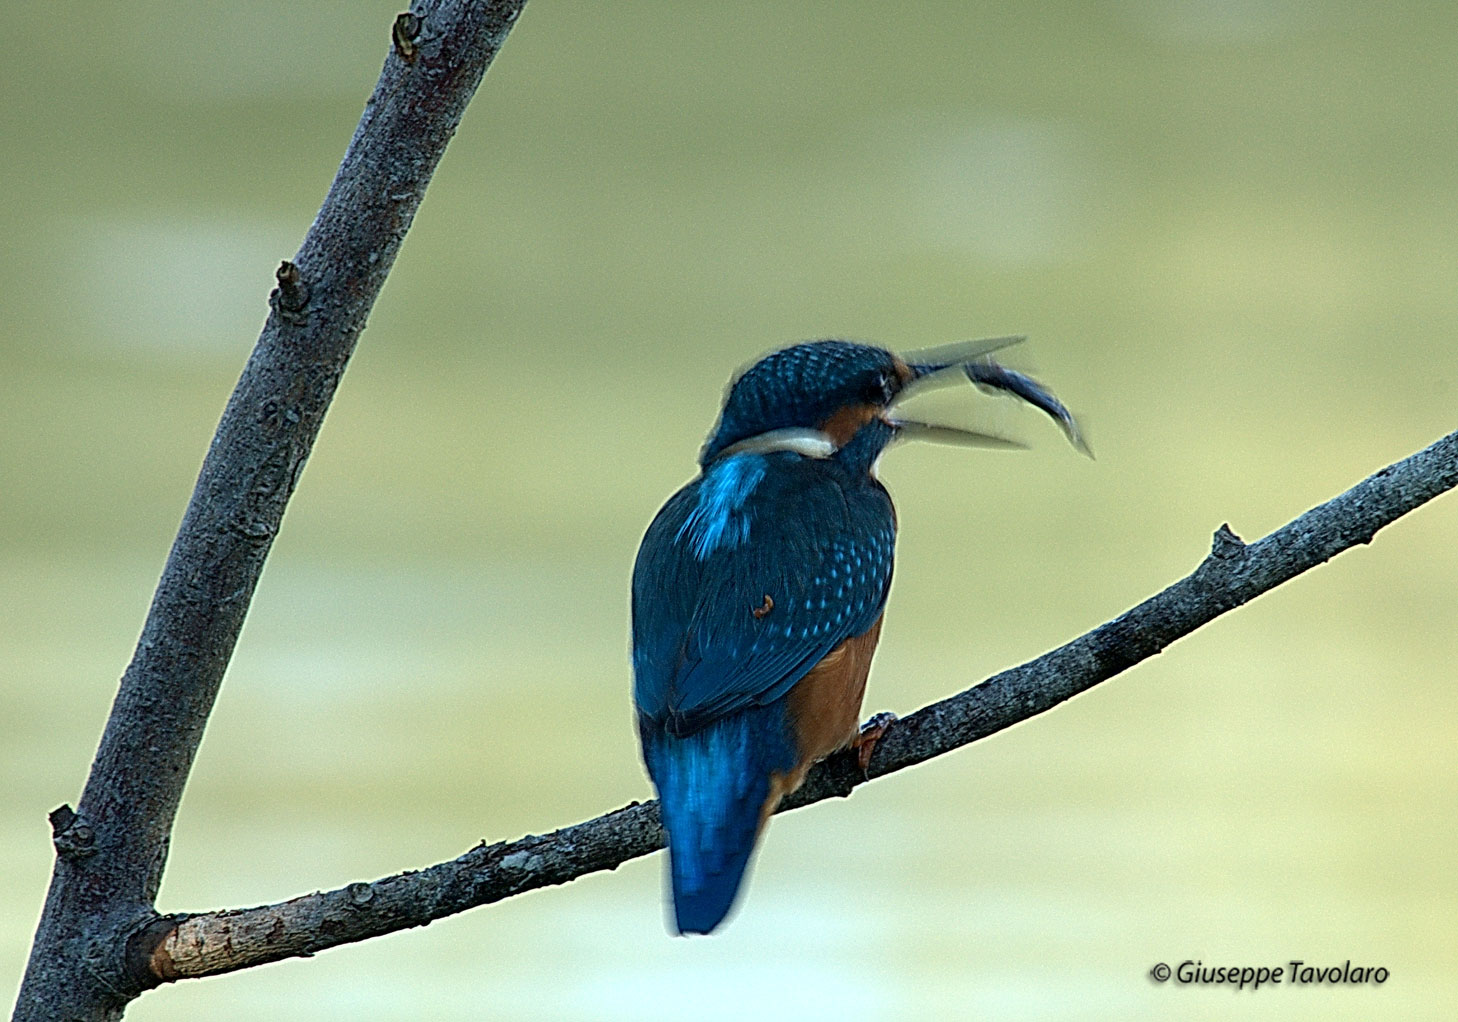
(803, 386)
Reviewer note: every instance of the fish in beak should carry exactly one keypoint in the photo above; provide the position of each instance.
(934, 368)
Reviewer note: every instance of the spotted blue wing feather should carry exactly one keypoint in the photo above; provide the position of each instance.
(811, 555)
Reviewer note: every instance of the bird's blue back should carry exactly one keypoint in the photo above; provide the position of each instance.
(745, 580)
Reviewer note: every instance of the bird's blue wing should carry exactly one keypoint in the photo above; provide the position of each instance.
(747, 579)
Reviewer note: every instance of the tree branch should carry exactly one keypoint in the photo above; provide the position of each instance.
(100, 941)
(113, 847)
(182, 947)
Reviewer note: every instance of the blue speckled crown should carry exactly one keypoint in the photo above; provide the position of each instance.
(799, 386)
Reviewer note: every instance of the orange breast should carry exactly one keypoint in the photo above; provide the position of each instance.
(825, 709)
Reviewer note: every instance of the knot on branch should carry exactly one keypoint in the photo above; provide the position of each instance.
(1226, 545)
(291, 297)
(257, 518)
(404, 34)
(73, 837)
(1227, 560)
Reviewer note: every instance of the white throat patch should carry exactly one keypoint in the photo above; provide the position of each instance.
(811, 443)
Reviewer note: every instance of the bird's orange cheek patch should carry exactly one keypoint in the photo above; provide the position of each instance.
(846, 422)
(903, 371)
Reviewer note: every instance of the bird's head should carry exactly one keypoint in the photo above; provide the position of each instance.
(817, 395)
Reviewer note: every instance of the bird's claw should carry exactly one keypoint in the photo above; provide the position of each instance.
(864, 743)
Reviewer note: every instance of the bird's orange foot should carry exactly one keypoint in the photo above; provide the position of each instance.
(870, 733)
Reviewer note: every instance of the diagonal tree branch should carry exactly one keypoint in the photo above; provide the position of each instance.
(113, 847)
(182, 947)
(100, 941)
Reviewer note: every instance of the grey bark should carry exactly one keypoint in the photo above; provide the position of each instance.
(1232, 574)
(100, 942)
(113, 847)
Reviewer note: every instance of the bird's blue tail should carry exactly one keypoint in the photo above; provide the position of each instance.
(712, 785)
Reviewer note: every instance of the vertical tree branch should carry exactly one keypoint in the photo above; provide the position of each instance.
(112, 849)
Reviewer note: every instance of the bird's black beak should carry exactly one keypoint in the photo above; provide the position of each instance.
(936, 367)
(931, 366)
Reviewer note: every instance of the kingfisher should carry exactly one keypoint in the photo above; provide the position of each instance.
(760, 586)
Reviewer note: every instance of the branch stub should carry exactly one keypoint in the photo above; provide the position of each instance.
(73, 837)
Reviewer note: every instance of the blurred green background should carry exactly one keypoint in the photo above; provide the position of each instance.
(1229, 230)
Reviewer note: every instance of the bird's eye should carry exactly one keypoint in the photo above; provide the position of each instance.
(882, 388)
